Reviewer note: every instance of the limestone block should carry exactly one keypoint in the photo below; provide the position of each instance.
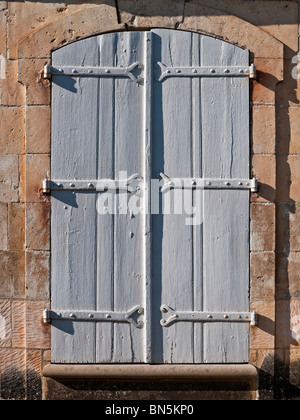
(12, 129)
(38, 129)
(262, 227)
(9, 178)
(37, 226)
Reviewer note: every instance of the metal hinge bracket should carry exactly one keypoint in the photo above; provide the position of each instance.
(131, 185)
(173, 316)
(224, 71)
(131, 317)
(207, 183)
(76, 71)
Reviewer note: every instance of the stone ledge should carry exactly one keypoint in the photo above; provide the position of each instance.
(152, 372)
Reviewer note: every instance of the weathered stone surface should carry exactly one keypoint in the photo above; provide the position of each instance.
(3, 227)
(262, 275)
(37, 333)
(288, 217)
(37, 168)
(264, 169)
(262, 227)
(12, 373)
(18, 324)
(38, 135)
(37, 226)
(230, 28)
(12, 274)
(90, 21)
(288, 180)
(16, 226)
(263, 336)
(9, 178)
(264, 130)
(142, 13)
(288, 275)
(288, 323)
(12, 93)
(37, 275)
(12, 128)
(289, 131)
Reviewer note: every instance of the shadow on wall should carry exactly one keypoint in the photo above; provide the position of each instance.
(256, 12)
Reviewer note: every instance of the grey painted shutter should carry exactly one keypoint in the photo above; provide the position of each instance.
(117, 270)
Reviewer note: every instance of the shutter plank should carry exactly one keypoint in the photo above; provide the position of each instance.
(225, 117)
(74, 146)
(128, 260)
(198, 199)
(173, 155)
(105, 222)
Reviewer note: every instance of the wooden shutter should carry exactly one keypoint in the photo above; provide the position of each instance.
(127, 287)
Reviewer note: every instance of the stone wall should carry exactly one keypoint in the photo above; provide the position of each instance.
(29, 32)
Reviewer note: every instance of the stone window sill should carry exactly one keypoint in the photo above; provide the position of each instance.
(242, 372)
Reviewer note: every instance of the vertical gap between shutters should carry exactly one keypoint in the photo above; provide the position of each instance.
(192, 128)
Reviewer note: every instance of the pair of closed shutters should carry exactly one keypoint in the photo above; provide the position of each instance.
(132, 286)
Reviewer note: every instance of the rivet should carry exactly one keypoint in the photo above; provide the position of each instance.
(91, 71)
(212, 71)
(240, 183)
(107, 71)
(72, 185)
(209, 316)
(107, 316)
(178, 71)
(241, 71)
(208, 183)
(227, 183)
(59, 185)
(239, 316)
(74, 71)
(226, 316)
(226, 71)
(90, 185)
(195, 71)
(194, 183)
(91, 316)
(168, 71)
(72, 315)
(131, 235)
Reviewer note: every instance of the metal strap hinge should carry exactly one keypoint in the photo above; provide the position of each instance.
(131, 317)
(224, 71)
(76, 71)
(131, 185)
(174, 316)
(207, 183)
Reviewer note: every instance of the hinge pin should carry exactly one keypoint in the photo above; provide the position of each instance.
(253, 73)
